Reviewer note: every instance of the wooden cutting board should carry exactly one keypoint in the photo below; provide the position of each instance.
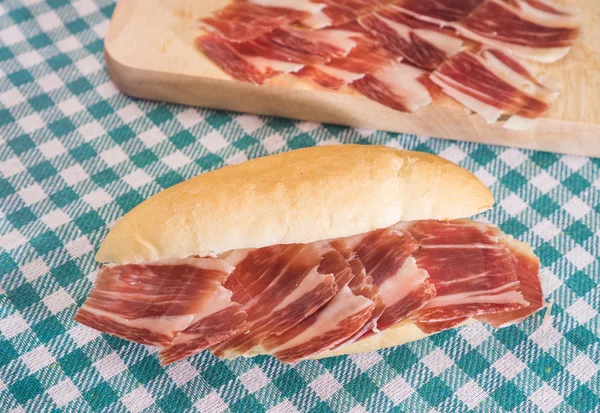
(150, 53)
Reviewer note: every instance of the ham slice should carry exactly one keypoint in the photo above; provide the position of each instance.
(493, 84)
(327, 43)
(375, 73)
(345, 314)
(403, 288)
(440, 12)
(533, 29)
(213, 324)
(366, 57)
(341, 319)
(278, 287)
(254, 61)
(339, 12)
(243, 21)
(329, 77)
(473, 273)
(423, 44)
(527, 268)
(398, 86)
(153, 303)
(361, 285)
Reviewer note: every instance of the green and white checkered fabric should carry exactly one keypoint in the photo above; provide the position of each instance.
(75, 155)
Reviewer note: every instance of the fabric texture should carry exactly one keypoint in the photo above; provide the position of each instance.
(76, 154)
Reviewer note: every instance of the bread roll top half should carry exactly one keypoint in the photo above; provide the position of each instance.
(300, 196)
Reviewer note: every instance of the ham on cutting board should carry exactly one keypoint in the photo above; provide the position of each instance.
(166, 65)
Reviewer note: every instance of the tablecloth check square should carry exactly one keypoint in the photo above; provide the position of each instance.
(75, 155)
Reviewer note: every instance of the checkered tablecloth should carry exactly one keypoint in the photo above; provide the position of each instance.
(75, 155)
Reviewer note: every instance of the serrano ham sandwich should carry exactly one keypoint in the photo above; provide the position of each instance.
(310, 253)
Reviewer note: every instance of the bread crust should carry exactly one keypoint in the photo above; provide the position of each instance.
(299, 196)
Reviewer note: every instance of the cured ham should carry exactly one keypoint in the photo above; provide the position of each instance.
(327, 43)
(423, 44)
(375, 45)
(339, 12)
(376, 74)
(329, 77)
(278, 287)
(153, 303)
(440, 12)
(339, 319)
(215, 323)
(493, 84)
(346, 316)
(279, 52)
(243, 21)
(398, 86)
(255, 61)
(403, 288)
(366, 57)
(296, 301)
(527, 267)
(473, 272)
(533, 29)
(361, 285)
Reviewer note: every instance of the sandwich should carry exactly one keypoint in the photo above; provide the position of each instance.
(311, 253)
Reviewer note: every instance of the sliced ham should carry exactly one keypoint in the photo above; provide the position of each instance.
(339, 12)
(278, 287)
(224, 55)
(366, 57)
(254, 61)
(492, 84)
(323, 42)
(360, 285)
(342, 317)
(533, 29)
(296, 301)
(346, 316)
(375, 73)
(153, 303)
(329, 77)
(527, 267)
(406, 292)
(398, 86)
(327, 43)
(317, 21)
(340, 72)
(218, 321)
(473, 273)
(403, 288)
(423, 44)
(440, 12)
(265, 48)
(243, 21)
